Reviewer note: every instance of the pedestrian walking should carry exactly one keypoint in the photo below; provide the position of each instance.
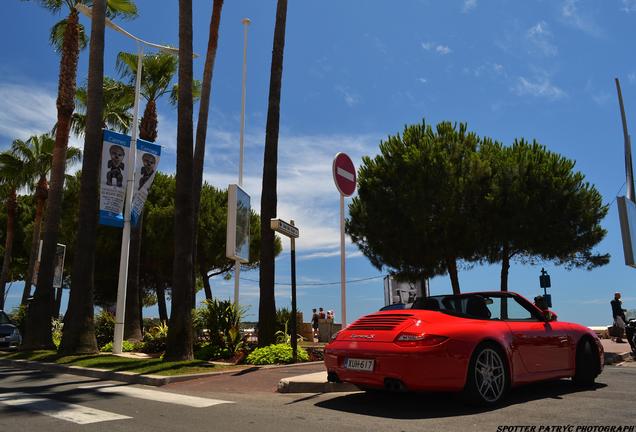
(618, 313)
(314, 322)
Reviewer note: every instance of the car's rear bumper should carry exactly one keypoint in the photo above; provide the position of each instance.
(442, 367)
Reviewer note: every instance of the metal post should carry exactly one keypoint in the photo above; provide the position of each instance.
(343, 283)
(293, 330)
(629, 173)
(125, 242)
(237, 263)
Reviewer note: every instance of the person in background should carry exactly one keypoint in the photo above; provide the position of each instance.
(330, 315)
(321, 313)
(618, 313)
(314, 322)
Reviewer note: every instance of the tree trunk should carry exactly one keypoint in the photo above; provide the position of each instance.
(206, 284)
(78, 335)
(451, 264)
(148, 124)
(505, 266)
(8, 244)
(202, 122)
(267, 303)
(179, 343)
(132, 326)
(161, 302)
(58, 302)
(41, 193)
(38, 334)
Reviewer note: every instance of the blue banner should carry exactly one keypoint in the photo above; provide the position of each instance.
(146, 163)
(113, 178)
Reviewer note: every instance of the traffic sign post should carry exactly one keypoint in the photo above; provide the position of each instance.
(344, 175)
(289, 230)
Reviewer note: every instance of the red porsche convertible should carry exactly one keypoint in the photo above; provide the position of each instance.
(479, 343)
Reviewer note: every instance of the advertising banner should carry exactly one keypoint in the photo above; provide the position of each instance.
(113, 178)
(237, 245)
(402, 292)
(146, 162)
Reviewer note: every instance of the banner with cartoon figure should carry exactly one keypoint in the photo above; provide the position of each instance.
(112, 178)
(146, 162)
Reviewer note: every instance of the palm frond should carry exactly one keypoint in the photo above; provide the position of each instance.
(56, 38)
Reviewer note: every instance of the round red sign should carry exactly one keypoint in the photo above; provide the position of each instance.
(344, 174)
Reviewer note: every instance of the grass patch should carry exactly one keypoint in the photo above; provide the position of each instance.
(111, 362)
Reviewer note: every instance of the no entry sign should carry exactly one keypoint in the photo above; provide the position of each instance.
(344, 174)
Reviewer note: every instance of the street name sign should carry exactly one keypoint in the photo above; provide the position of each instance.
(284, 228)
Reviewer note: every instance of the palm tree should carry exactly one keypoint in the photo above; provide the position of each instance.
(37, 156)
(78, 335)
(68, 37)
(118, 101)
(267, 305)
(13, 176)
(202, 123)
(179, 343)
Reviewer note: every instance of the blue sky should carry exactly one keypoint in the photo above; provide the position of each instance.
(356, 71)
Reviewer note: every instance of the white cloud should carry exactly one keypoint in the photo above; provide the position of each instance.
(628, 6)
(305, 189)
(540, 37)
(438, 48)
(631, 77)
(26, 110)
(541, 87)
(469, 5)
(422, 80)
(487, 69)
(350, 98)
(571, 15)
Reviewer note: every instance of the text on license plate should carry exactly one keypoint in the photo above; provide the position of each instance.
(359, 364)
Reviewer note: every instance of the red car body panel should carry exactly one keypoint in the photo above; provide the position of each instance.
(535, 350)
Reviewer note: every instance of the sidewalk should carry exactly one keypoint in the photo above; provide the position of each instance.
(615, 352)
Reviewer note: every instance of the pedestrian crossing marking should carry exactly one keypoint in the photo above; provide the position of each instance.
(155, 395)
(60, 410)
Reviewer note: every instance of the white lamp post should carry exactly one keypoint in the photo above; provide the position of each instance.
(125, 244)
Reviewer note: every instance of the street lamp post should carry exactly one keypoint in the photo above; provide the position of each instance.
(125, 244)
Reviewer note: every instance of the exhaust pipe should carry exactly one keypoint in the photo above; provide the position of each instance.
(394, 385)
(333, 377)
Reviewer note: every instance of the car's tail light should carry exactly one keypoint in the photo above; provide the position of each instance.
(409, 339)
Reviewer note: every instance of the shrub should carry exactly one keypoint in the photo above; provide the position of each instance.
(222, 318)
(155, 339)
(272, 354)
(18, 317)
(283, 318)
(126, 346)
(56, 330)
(211, 352)
(104, 327)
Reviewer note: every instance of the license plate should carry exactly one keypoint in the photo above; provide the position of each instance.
(359, 364)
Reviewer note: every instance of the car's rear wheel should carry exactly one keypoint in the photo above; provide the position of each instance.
(488, 378)
(586, 369)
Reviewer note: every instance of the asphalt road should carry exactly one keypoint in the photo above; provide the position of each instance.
(36, 401)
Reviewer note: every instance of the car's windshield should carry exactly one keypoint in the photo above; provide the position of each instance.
(481, 306)
(4, 319)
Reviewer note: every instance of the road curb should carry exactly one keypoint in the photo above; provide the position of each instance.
(128, 377)
(287, 386)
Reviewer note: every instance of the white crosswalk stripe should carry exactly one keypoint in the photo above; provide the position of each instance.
(155, 395)
(42, 402)
(60, 410)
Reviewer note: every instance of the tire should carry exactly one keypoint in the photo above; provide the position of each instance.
(586, 368)
(488, 378)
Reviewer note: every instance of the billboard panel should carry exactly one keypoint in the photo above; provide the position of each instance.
(627, 217)
(402, 291)
(237, 245)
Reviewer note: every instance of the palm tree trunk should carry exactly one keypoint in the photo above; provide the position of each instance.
(179, 343)
(79, 328)
(8, 244)
(132, 323)
(38, 334)
(202, 122)
(267, 304)
(41, 194)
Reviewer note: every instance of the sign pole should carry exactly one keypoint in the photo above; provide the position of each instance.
(293, 330)
(343, 279)
(120, 313)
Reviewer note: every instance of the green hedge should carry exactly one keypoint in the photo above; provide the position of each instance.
(277, 353)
